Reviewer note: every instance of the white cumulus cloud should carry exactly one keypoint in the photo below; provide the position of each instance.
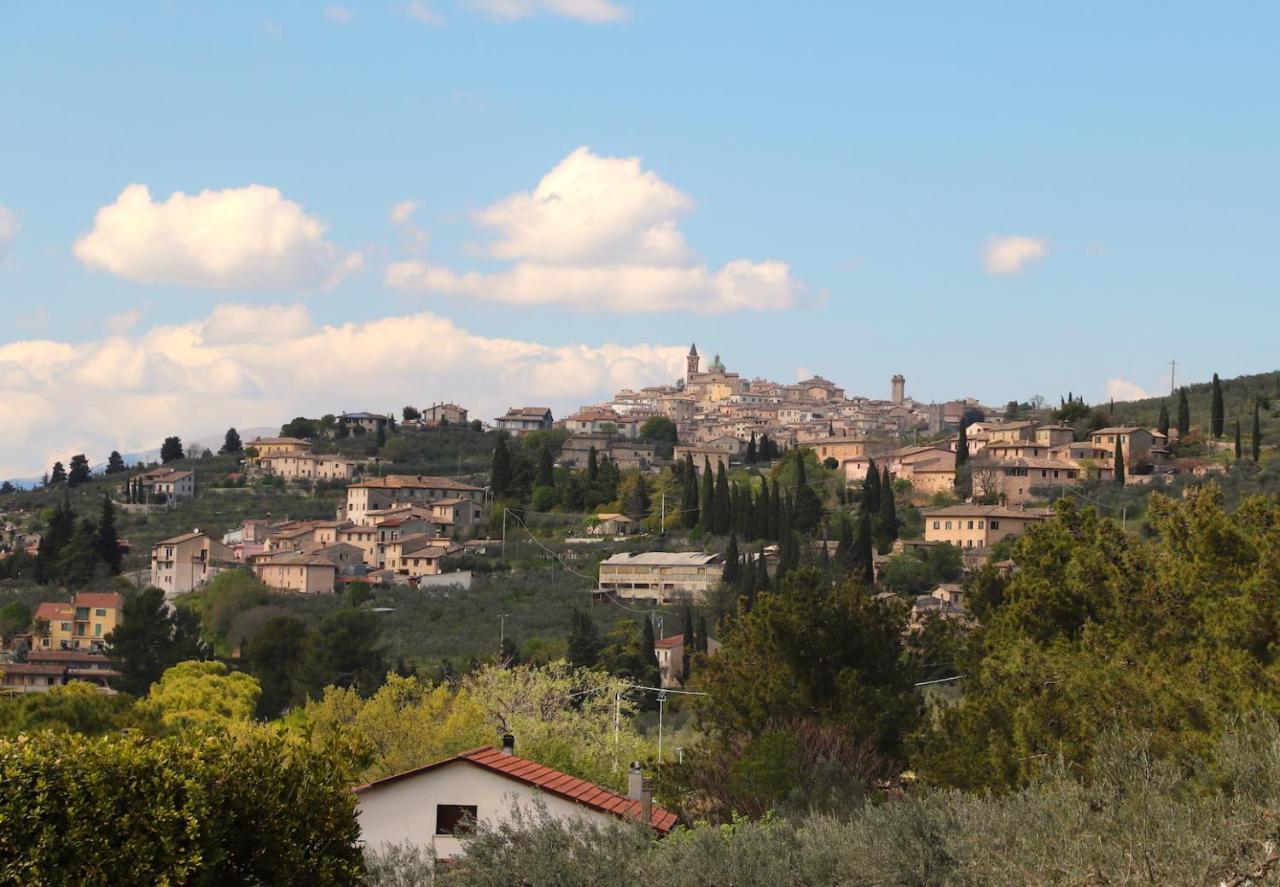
(236, 238)
(247, 365)
(1009, 254)
(339, 14)
(1123, 389)
(600, 234)
(8, 229)
(421, 11)
(595, 12)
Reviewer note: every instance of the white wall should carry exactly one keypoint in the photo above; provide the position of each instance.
(405, 810)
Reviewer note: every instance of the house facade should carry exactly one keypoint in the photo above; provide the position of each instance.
(297, 571)
(186, 562)
(433, 808)
(82, 624)
(522, 420)
(978, 526)
(661, 576)
(380, 493)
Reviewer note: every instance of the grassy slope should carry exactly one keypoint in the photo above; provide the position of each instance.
(1238, 396)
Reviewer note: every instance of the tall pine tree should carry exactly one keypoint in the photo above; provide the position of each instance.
(500, 474)
(107, 543)
(1163, 423)
(763, 527)
(962, 446)
(732, 563)
(1217, 410)
(1118, 474)
(546, 471)
(751, 450)
(808, 507)
(1184, 414)
(707, 500)
(722, 515)
(1238, 448)
(888, 516)
(863, 552)
(1256, 443)
(231, 444)
(871, 489)
(689, 494)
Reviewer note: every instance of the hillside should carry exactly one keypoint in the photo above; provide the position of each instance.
(1239, 395)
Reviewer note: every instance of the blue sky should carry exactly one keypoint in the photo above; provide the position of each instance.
(854, 160)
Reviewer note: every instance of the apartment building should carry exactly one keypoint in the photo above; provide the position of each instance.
(384, 492)
(81, 624)
(979, 526)
(186, 562)
(660, 576)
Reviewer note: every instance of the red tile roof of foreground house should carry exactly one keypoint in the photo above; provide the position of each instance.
(98, 599)
(551, 781)
(53, 611)
(675, 640)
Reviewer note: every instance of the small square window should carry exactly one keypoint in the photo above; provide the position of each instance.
(455, 819)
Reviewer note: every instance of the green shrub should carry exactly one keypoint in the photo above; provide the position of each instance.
(249, 808)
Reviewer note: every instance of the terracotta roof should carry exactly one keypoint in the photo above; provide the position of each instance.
(52, 611)
(414, 482)
(675, 640)
(551, 781)
(39, 657)
(996, 511)
(98, 599)
(8, 668)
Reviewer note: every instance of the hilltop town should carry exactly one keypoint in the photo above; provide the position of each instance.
(637, 540)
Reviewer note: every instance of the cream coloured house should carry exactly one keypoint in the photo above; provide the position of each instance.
(279, 446)
(308, 466)
(186, 562)
(297, 571)
(978, 526)
(433, 808)
(379, 493)
(661, 576)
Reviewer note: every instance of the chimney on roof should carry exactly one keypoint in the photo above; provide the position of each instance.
(635, 782)
(508, 744)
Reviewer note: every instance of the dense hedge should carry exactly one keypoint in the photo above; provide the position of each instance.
(190, 810)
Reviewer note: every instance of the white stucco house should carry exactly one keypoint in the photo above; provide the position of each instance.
(436, 806)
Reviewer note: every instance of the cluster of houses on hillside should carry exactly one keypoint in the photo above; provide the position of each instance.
(394, 529)
(64, 643)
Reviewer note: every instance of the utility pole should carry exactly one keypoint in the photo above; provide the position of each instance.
(662, 527)
(504, 531)
(502, 630)
(662, 699)
(1173, 365)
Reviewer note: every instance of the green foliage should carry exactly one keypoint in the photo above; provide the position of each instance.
(79, 472)
(343, 651)
(171, 450)
(918, 570)
(1136, 822)
(149, 639)
(584, 641)
(817, 653)
(1217, 409)
(1172, 632)
(76, 707)
(500, 475)
(1184, 413)
(231, 444)
(115, 463)
(203, 694)
(198, 809)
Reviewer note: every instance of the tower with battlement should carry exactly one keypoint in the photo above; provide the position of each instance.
(898, 388)
(691, 362)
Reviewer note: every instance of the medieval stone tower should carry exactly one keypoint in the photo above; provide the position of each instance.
(898, 389)
(691, 362)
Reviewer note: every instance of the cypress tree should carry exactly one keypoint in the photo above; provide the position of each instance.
(78, 560)
(593, 467)
(749, 517)
(382, 435)
(731, 560)
(500, 472)
(1238, 449)
(648, 653)
(1184, 413)
(546, 472)
(584, 640)
(808, 507)
(888, 516)
(863, 570)
(763, 527)
(702, 632)
(722, 515)
(107, 545)
(57, 534)
(689, 495)
(776, 527)
(871, 489)
(844, 547)
(962, 446)
(707, 502)
(1217, 411)
(747, 585)
(1163, 423)
(751, 450)
(762, 574)
(1257, 434)
(1118, 477)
